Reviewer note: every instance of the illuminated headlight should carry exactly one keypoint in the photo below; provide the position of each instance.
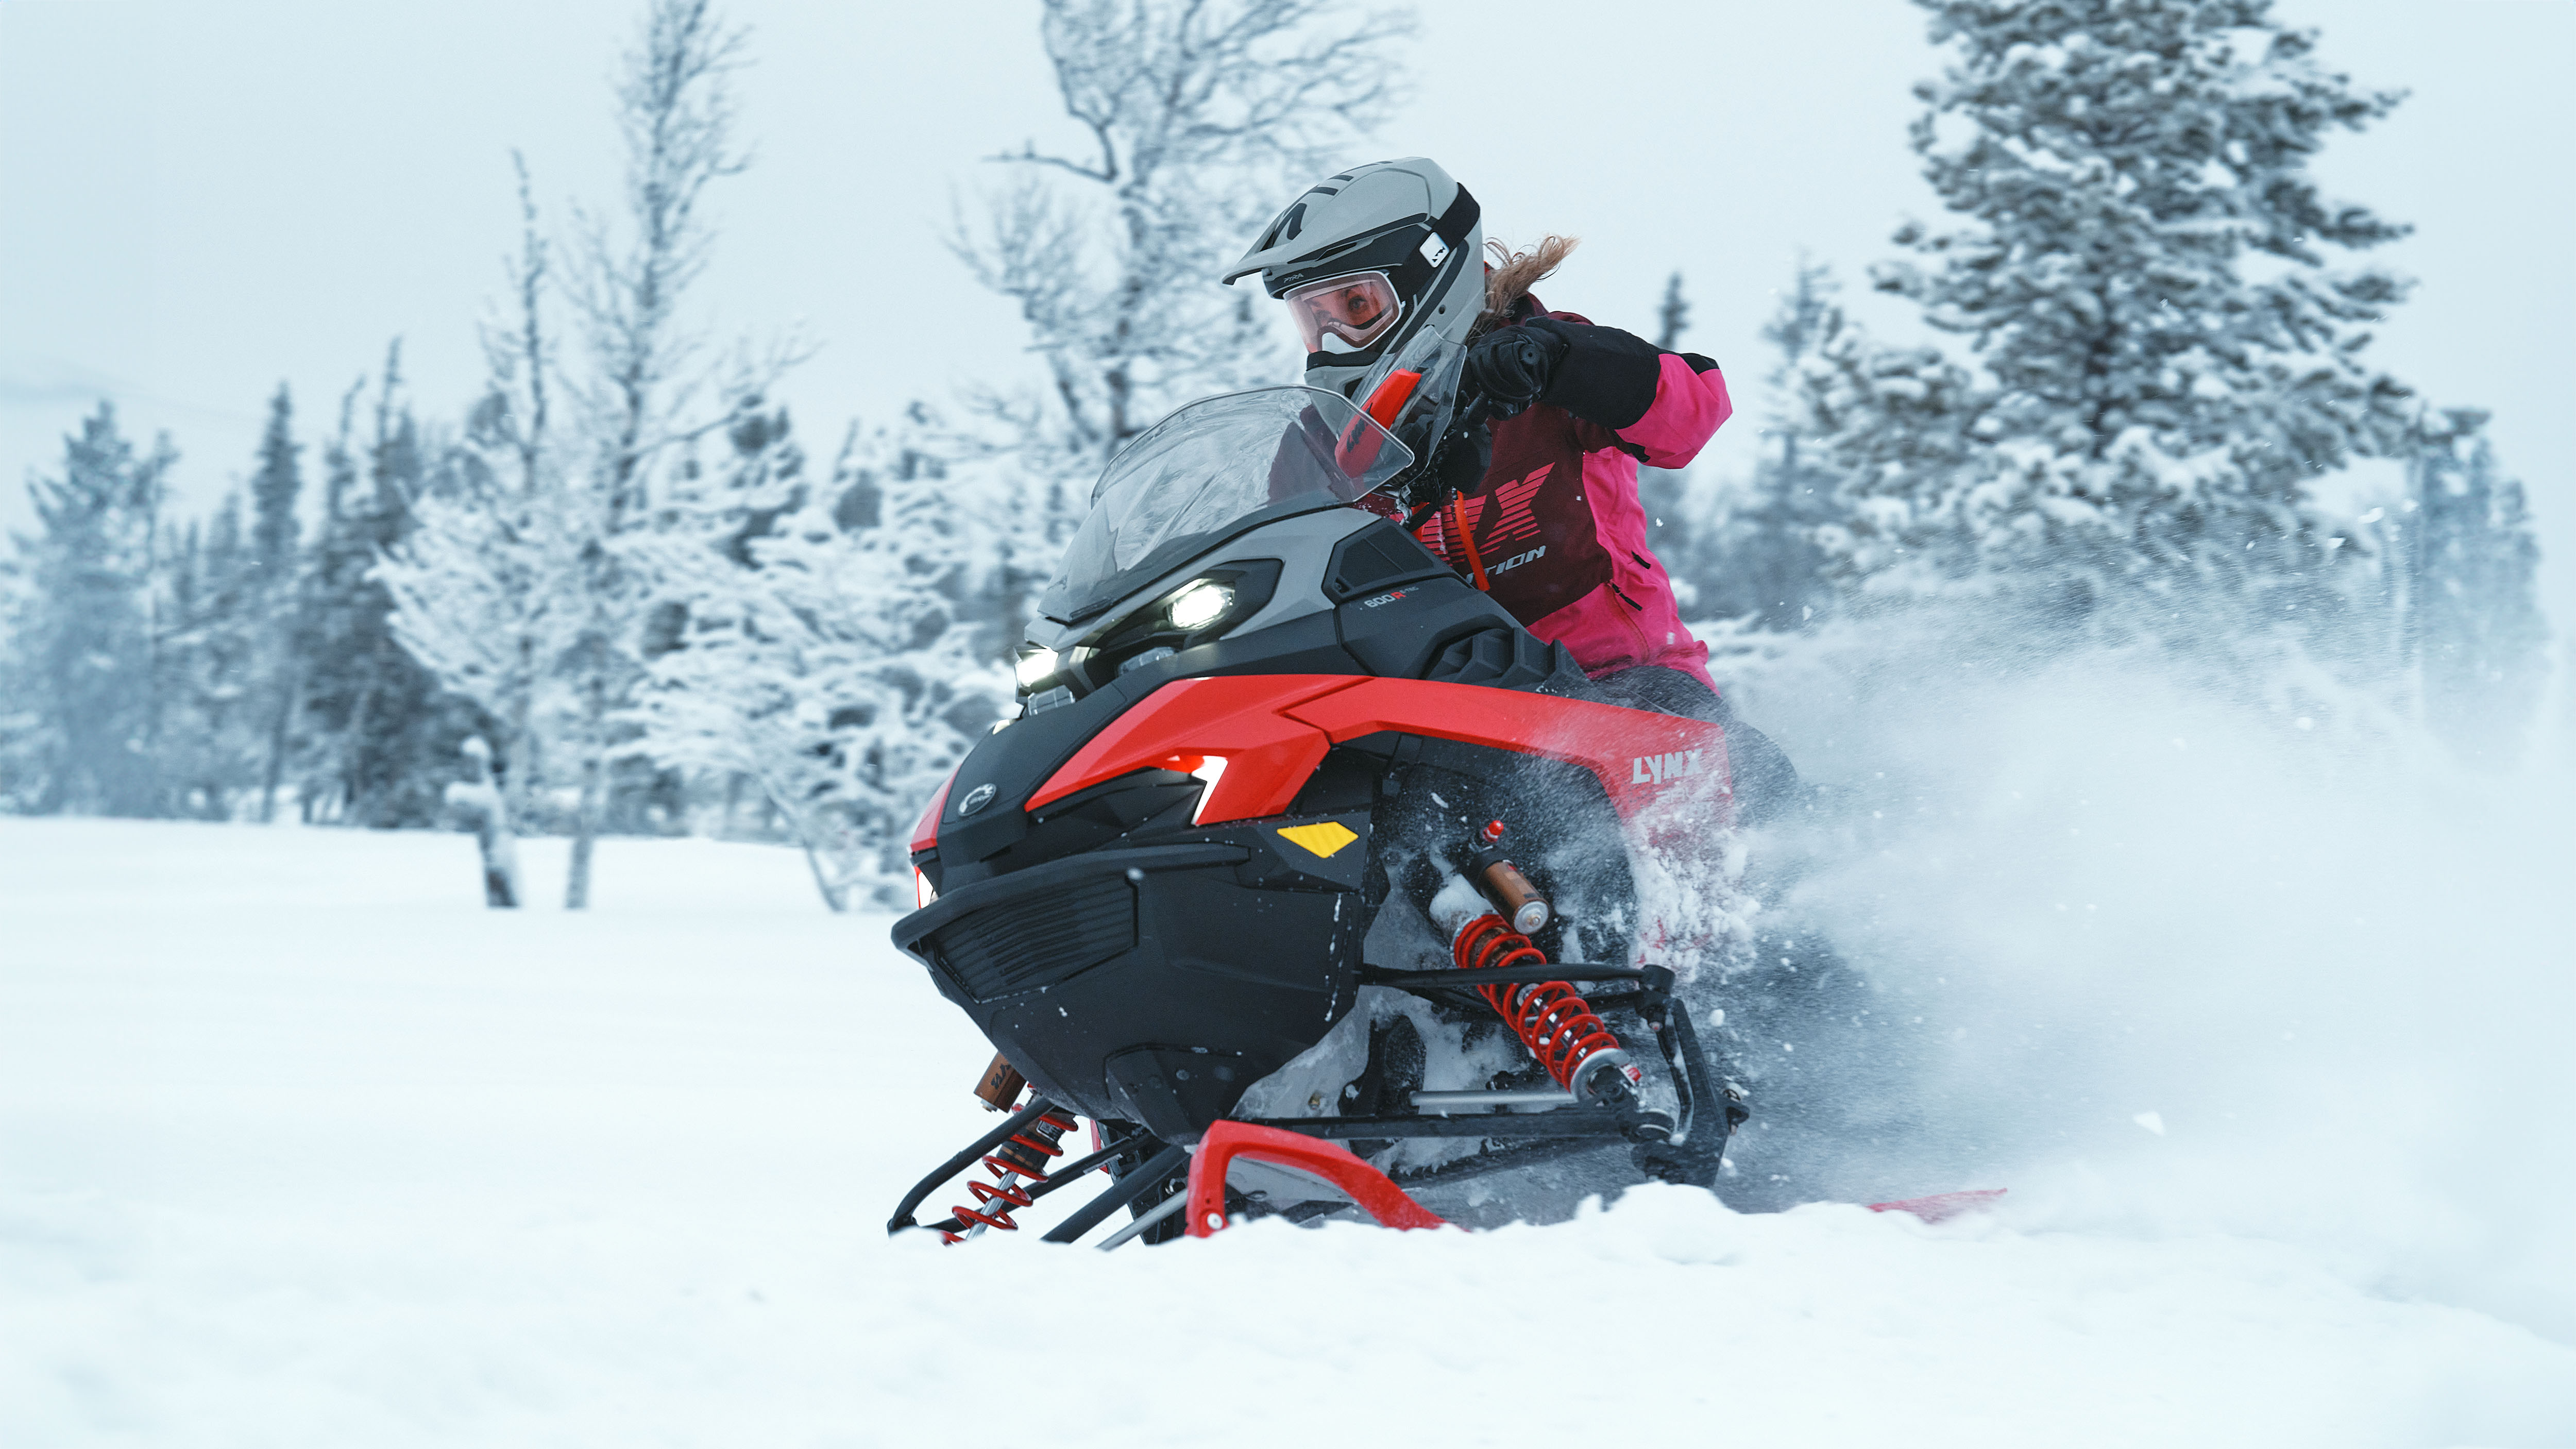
(1034, 667)
(1200, 605)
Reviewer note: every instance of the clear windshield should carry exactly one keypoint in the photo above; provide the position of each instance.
(1196, 472)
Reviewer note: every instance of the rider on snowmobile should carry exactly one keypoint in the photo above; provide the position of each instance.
(1531, 492)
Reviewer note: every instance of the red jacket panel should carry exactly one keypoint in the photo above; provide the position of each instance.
(1561, 532)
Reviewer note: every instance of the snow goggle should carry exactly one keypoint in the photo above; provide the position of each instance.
(1344, 314)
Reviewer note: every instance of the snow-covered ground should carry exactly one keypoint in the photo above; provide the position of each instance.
(301, 1146)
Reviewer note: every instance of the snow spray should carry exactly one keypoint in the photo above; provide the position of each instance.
(2169, 963)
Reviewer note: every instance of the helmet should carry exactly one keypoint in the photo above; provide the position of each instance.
(1381, 262)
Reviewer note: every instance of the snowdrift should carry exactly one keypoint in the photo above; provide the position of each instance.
(300, 1145)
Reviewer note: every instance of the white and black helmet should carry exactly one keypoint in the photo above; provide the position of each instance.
(1380, 261)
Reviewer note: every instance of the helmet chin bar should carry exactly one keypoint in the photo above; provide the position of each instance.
(1431, 407)
(1342, 372)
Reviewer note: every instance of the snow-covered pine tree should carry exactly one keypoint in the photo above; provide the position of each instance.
(2165, 361)
(275, 487)
(385, 742)
(207, 658)
(1674, 528)
(2473, 621)
(1195, 121)
(331, 617)
(842, 672)
(1672, 315)
(1764, 563)
(711, 513)
(721, 508)
(82, 715)
(21, 736)
(276, 594)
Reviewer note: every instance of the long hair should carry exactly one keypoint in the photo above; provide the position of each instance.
(1511, 274)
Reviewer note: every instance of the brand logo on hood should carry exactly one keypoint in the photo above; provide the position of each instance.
(1662, 769)
(976, 799)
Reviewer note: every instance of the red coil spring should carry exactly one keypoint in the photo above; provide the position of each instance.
(1554, 1023)
(1024, 1155)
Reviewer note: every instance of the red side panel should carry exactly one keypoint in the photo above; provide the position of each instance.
(1272, 730)
(1226, 1141)
(1240, 718)
(925, 831)
(1639, 758)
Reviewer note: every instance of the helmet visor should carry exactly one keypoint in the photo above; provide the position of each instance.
(1344, 314)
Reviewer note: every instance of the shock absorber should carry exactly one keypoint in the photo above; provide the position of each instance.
(1490, 867)
(1024, 1156)
(1566, 1036)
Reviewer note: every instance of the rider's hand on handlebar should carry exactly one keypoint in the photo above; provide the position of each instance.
(1511, 366)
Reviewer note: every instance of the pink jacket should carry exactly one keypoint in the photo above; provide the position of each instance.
(1557, 523)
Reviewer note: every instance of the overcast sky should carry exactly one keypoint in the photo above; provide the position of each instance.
(198, 200)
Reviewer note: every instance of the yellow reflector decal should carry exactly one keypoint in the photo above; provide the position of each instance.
(1322, 839)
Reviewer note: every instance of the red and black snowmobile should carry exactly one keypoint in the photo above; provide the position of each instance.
(1308, 876)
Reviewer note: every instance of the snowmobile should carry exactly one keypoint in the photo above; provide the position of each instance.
(1309, 877)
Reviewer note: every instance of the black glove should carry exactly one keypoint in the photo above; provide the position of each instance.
(1511, 366)
(1600, 374)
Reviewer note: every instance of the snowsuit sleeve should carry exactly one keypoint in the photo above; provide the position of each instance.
(1661, 407)
(1690, 402)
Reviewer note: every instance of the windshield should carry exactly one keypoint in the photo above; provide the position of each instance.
(1181, 485)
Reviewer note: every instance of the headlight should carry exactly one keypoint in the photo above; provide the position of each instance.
(1034, 667)
(1200, 605)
